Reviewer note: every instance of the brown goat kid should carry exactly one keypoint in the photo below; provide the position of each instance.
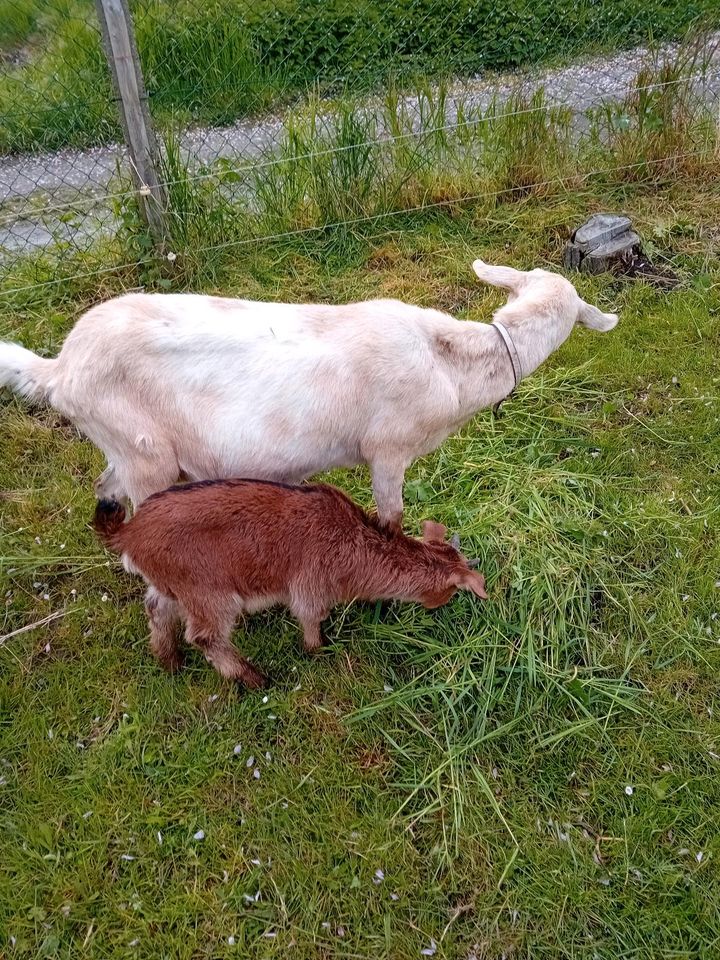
(213, 550)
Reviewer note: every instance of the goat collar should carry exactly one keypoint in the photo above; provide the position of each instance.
(511, 350)
(514, 358)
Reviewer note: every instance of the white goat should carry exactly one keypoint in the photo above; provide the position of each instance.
(174, 386)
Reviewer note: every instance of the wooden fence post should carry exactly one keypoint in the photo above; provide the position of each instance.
(122, 57)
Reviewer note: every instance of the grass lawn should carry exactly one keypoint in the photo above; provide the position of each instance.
(536, 776)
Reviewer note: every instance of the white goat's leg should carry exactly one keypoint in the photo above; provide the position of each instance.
(109, 487)
(143, 477)
(387, 484)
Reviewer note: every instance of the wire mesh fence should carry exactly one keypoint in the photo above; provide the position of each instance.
(279, 117)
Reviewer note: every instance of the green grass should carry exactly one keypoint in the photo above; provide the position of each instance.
(213, 63)
(489, 784)
(18, 21)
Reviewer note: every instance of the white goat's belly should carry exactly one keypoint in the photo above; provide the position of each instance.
(245, 452)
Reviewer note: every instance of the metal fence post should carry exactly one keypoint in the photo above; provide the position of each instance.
(122, 57)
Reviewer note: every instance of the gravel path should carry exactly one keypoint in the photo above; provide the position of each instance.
(63, 196)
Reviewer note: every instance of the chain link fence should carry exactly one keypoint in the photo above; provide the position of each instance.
(281, 116)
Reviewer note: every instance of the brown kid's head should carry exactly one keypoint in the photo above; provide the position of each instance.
(456, 573)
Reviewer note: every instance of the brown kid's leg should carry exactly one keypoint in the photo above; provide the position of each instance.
(310, 617)
(313, 639)
(213, 639)
(164, 616)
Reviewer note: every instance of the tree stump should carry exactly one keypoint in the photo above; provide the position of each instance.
(605, 242)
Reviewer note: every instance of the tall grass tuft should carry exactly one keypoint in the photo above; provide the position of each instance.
(663, 126)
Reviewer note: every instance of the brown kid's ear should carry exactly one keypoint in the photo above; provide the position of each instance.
(474, 582)
(433, 532)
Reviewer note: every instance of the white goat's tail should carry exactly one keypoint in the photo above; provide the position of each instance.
(24, 372)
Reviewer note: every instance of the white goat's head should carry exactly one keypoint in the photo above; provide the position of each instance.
(536, 286)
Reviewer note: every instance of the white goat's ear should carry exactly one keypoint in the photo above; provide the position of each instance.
(479, 266)
(505, 277)
(590, 316)
(433, 532)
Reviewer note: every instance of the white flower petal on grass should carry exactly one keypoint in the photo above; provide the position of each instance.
(199, 835)
(387, 688)
(126, 856)
(134, 943)
(213, 697)
(231, 940)
(629, 790)
(250, 762)
(394, 896)
(256, 773)
(267, 756)
(265, 699)
(431, 950)
(159, 838)
(237, 749)
(255, 863)
(379, 876)
(699, 855)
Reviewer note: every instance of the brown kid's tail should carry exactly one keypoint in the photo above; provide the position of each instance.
(108, 521)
